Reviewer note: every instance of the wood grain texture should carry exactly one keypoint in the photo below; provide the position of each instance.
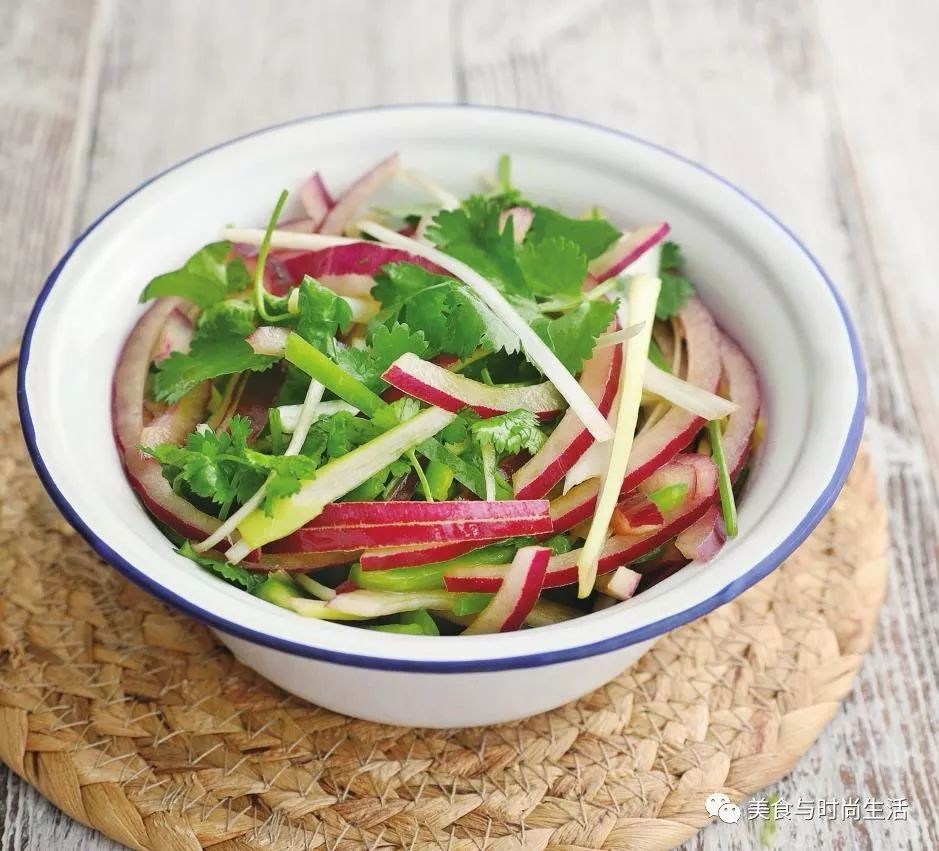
(824, 111)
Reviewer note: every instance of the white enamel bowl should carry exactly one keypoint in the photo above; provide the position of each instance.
(761, 283)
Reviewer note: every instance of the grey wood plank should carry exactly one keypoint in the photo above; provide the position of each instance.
(181, 76)
(890, 123)
(49, 56)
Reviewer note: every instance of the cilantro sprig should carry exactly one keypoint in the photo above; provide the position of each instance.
(222, 468)
(506, 434)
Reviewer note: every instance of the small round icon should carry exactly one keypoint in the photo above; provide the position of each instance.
(729, 813)
(714, 802)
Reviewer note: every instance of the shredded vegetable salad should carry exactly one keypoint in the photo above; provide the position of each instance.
(456, 417)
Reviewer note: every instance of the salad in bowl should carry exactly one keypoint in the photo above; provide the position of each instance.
(456, 417)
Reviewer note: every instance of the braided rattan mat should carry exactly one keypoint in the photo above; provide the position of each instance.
(133, 720)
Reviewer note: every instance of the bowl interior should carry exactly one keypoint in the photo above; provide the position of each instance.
(764, 288)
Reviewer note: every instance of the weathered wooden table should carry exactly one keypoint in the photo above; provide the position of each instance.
(826, 112)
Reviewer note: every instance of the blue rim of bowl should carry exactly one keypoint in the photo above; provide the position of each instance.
(607, 645)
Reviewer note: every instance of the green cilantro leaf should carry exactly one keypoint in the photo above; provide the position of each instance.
(505, 434)
(204, 279)
(572, 337)
(218, 348)
(207, 358)
(212, 465)
(388, 344)
(472, 234)
(510, 433)
(237, 275)
(676, 288)
(322, 314)
(398, 283)
(593, 236)
(559, 544)
(231, 317)
(385, 346)
(451, 316)
(555, 266)
(232, 573)
(672, 256)
(337, 435)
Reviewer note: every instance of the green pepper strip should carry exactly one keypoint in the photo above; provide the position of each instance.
(427, 577)
(669, 497)
(470, 603)
(421, 619)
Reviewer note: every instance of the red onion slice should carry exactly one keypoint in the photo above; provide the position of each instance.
(357, 258)
(743, 389)
(414, 556)
(316, 200)
(451, 391)
(133, 367)
(518, 592)
(268, 340)
(703, 539)
(175, 336)
(627, 249)
(356, 195)
(364, 525)
(621, 584)
(571, 439)
(636, 514)
(178, 421)
(143, 472)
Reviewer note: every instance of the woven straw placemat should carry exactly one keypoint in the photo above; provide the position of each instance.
(132, 719)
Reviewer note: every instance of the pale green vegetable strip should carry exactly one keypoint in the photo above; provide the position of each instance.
(286, 239)
(314, 588)
(376, 604)
(335, 480)
(643, 295)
